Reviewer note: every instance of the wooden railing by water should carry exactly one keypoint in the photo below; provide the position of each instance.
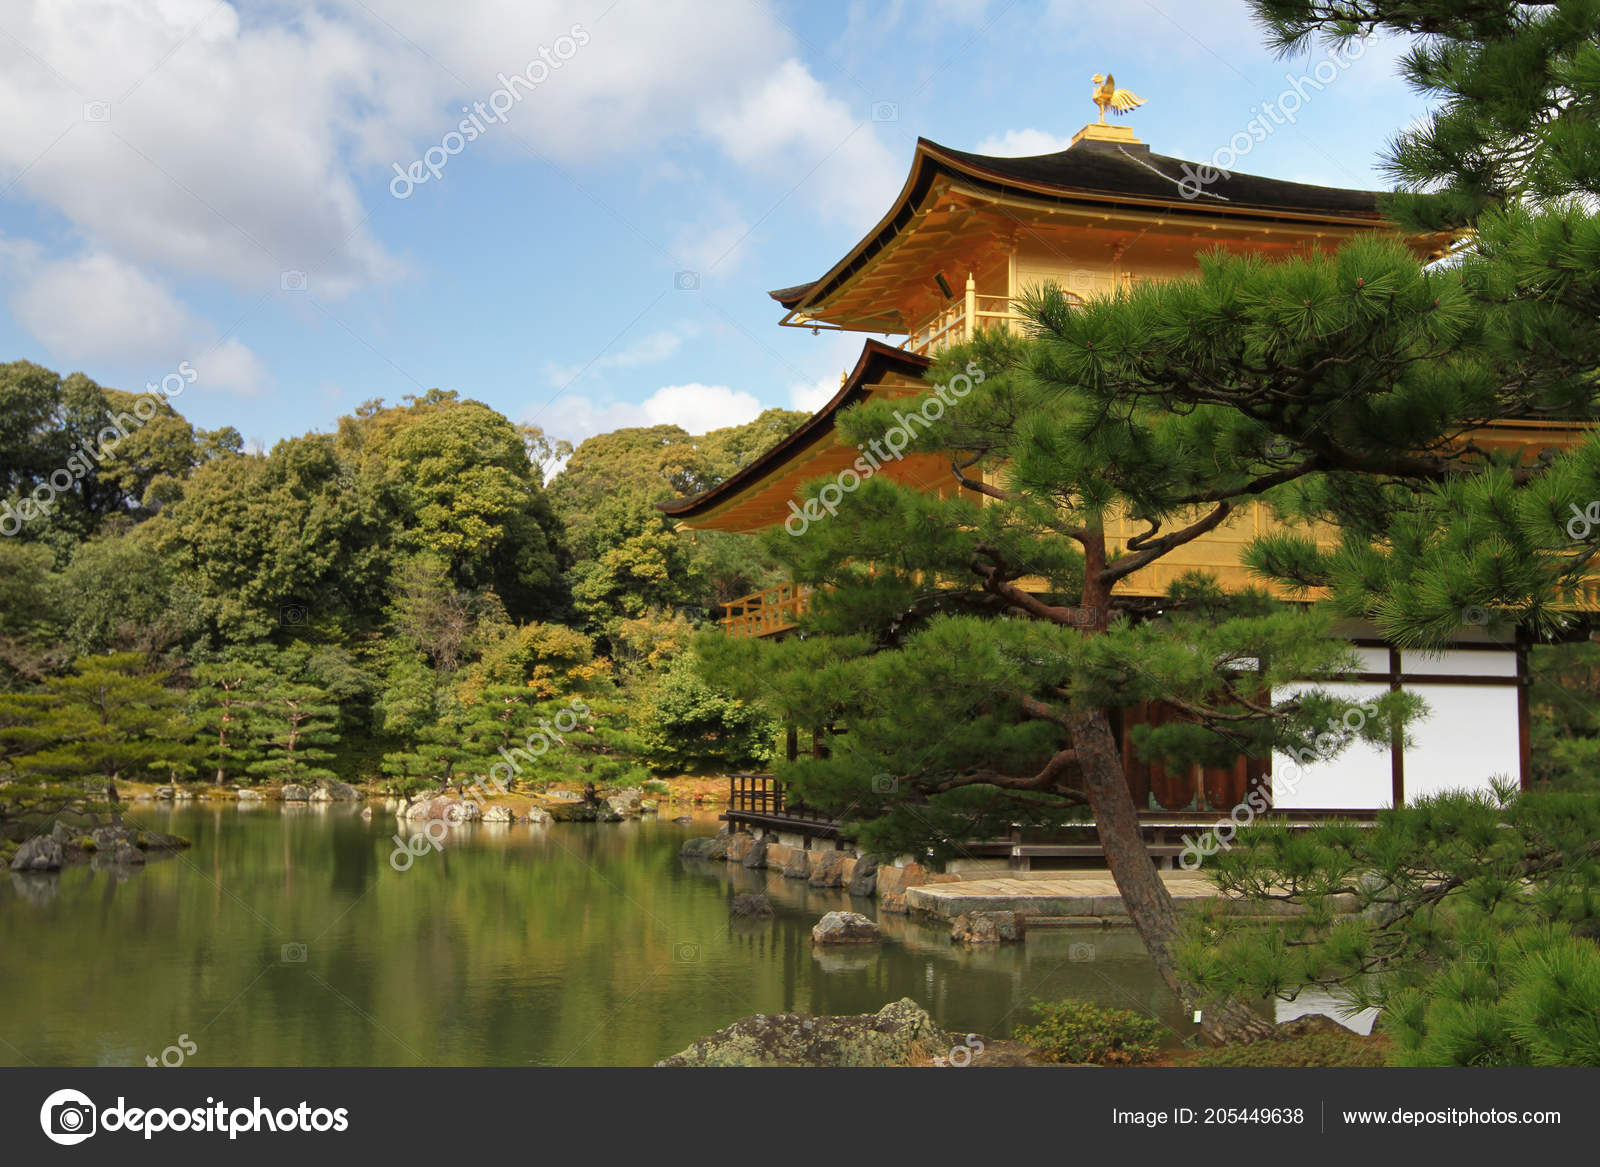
(762, 797)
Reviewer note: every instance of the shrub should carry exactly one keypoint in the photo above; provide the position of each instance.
(688, 725)
(1076, 1031)
(1315, 1049)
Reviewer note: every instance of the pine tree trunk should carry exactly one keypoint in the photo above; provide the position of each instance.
(1144, 896)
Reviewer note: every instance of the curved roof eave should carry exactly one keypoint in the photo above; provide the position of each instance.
(1029, 176)
(876, 359)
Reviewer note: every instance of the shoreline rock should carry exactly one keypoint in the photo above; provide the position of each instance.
(988, 928)
(900, 1034)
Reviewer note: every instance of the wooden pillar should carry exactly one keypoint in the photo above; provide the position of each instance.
(1524, 715)
(1397, 749)
(972, 307)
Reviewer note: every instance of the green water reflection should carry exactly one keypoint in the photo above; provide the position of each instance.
(285, 937)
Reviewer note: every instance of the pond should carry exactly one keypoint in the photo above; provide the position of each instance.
(287, 937)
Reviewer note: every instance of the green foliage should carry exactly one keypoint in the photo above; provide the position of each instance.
(1471, 914)
(66, 744)
(299, 726)
(1527, 998)
(1313, 1049)
(1564, 708)
(687, 724)
(1079, 1032)
(627, 562)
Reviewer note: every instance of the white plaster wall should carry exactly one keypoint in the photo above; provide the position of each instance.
(1468, 738)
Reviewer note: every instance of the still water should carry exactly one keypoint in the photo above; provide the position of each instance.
(287, 938)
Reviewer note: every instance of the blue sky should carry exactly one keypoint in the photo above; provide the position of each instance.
(168, 167)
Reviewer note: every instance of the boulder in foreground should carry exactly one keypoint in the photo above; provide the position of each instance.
(899, 1034)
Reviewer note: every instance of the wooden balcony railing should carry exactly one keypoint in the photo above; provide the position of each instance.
(763, 613)
(763, 796)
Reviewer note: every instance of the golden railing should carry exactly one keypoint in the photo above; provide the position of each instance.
(774, 609)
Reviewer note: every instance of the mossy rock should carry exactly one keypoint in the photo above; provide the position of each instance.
(899, 1034)
(156, 841)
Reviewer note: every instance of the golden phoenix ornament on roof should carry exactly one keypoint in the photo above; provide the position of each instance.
(1107, 95)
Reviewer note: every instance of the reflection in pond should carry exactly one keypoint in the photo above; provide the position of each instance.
(287, 937)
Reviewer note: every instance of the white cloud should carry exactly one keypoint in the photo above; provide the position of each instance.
(647, 350)
(95, 308)
(814, 396)
(714, 244)
(785, 124)
(1023, 143)
(181, 141)
(697, 408)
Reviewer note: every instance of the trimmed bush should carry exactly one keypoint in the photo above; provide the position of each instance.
(1078, 1032)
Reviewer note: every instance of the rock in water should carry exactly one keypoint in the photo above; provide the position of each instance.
(901, 1034)
(987, 927)
(40, 853)
(574, 812)
(865, 880)
(107, 838)
(756, 858)
(845, 928)
(697, 848)
(827, 868)
(127, 855)
(498, 814)
(537, 815)
(332, 790)
(294, 793)
(756, 907)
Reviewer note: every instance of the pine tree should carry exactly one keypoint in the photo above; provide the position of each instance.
(975, 646)
(1469, 920)
(70, 742)
(229, 700)
(300, 723)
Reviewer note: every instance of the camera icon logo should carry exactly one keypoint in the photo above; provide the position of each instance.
(293, 954)
(67, 1117)
(1475, 614)
(1080, 953)
(290, 615)
(686, 952)
(292, 281)
(885, 111)
(686, 281)
(885, 784)
(97, 111)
